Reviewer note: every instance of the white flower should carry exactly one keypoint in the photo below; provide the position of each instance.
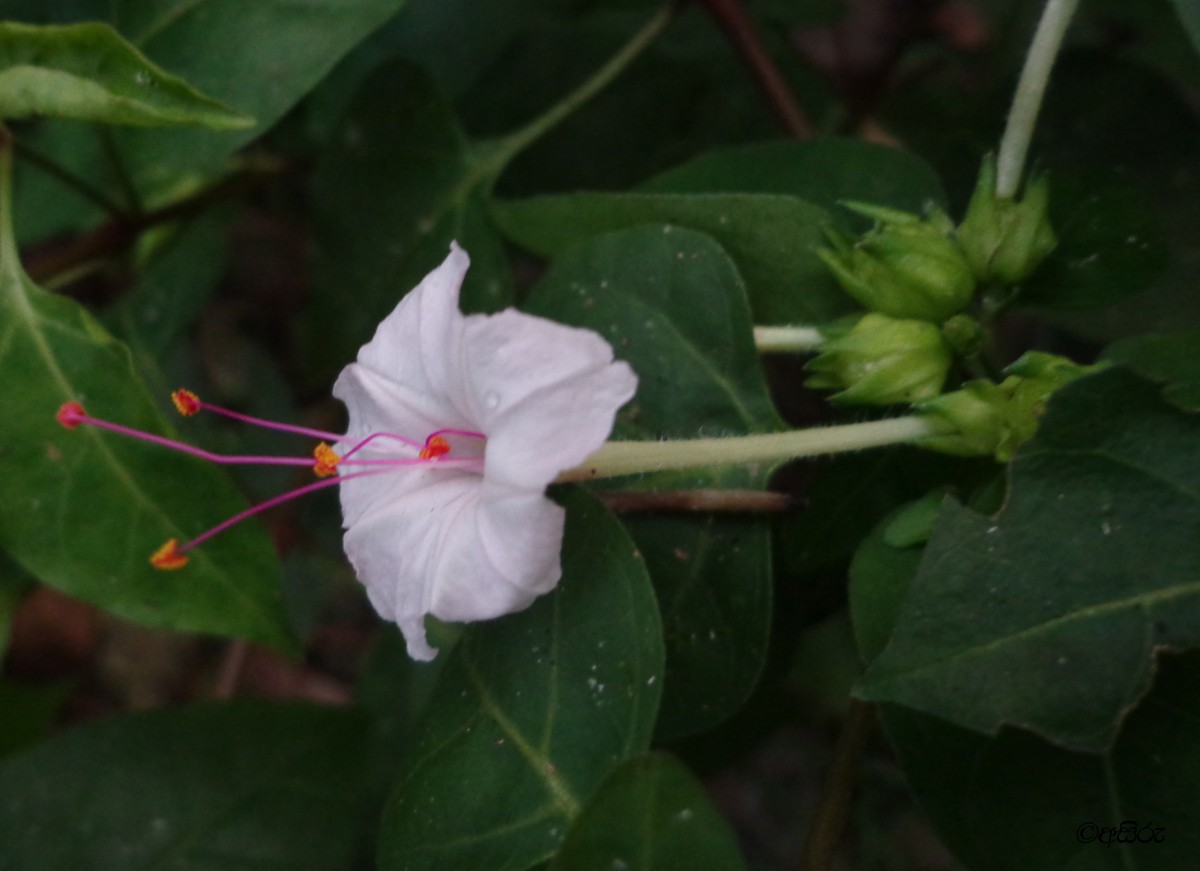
(466, 534)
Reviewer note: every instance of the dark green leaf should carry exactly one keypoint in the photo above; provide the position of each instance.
(83, 510)
(246, 785)
(1110, 245)
(1172, 359)
(260, 57)
(772, 238)
(1048, 615)
(29, 711)
(651, 814)
(390, 195)
(822, 171)
(1015, 801)
(880, 575)
(1189, 13)
(89, 73)
(672, 304)
(182, 274)
(532, 712)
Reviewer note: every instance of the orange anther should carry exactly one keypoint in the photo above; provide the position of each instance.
(186, 402)
(435, 446)
(327, 460)
(70, 414)
(168, 556)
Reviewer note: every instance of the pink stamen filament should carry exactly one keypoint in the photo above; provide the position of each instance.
(224, 459)
(305, 490)
(270, 424)
(407, 441)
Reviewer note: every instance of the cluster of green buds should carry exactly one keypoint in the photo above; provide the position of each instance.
(985, 418)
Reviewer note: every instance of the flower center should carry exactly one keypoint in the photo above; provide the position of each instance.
(388, 451)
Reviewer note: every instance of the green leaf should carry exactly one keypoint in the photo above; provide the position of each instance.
(1110, 244)
(672, 304)
(1189, 14)
(978, 791)
(1171, 359)
(14, 582)
(824, 172)
(87, 72)
(246, 785)
(772, 238)
(260, 57)
(390, 195)
(651, 814)
(30, 711)
(532, 712)
(1048, 615)
(83, 509)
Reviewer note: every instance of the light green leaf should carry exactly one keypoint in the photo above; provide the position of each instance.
(1049, 614)
(83, 509)
(772, 238)
(88, 72)
(532, 712)
(672, 304)
(651, 814)
(246, 785)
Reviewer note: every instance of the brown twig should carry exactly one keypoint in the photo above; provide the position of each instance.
(119, 233)
(733, 19)
(231, 670)
(750, 501)
(829, 820)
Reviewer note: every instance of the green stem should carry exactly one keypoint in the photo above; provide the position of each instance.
(1027, 101)
(69, 179)
(509, 146)
(787, 340)
(829, 821)
(630, 458)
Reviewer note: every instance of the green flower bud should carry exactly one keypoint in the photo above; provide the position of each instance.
(997, 419)
(906, 267)
(1032, 379)
(1006, 239)
(882, 361)
(978, 415)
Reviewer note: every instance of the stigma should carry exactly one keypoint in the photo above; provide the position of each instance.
(378, 453)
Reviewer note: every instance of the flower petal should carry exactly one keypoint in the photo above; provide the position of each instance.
(418, 347)
(454, 548)
(545, 394)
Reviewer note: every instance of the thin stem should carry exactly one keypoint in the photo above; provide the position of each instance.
(702, 499)
(739, 28)
(829, 820)
(514, 143)
(112, 155)
(1027, 101)
(629, 458)
(60, 173)
(787, 340)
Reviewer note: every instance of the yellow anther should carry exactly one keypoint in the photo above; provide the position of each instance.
(327, 460)
(186, 402)
(435, 446)
(168, 556)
